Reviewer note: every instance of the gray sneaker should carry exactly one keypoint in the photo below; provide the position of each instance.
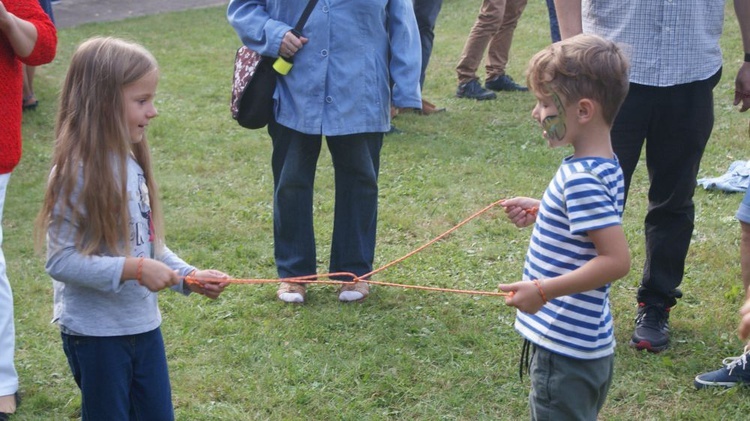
(651, 328)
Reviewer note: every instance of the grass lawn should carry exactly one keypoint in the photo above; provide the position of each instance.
(402, 354)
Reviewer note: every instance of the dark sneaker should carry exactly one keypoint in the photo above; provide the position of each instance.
(393, 130)
(504, 83)
(473, 90)
(651, 328)
(736, 371)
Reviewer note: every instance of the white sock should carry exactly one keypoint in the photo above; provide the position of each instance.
(350, 296)
(292, 297)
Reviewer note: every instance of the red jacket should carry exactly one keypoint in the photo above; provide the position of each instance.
(11, 78)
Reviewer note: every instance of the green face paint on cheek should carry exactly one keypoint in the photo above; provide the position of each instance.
(554, 125)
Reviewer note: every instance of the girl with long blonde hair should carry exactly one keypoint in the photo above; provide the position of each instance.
(105, 235)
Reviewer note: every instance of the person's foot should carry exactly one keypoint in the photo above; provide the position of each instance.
(291, 292)
(428, 108)
(504, 83)
(8, 405)
(393, 130)
(30, 103)
(354, 291)
(473, 90)
(651, 328)
(735, 371)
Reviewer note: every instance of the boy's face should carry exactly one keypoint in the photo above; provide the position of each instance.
(549, 112)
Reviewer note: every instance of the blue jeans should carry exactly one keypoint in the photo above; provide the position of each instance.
(426, 12)
(675, 123)
(356, 163)
(554, 26)
(121, 377)
(743, 212)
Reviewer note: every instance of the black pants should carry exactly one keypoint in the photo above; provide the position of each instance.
(675, 122)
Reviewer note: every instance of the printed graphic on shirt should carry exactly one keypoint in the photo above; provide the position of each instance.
(142, 228)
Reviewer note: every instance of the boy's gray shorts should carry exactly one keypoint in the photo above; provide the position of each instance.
(564, 388)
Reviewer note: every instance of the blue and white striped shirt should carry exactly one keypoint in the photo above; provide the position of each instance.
(586, 194)
(670, 42)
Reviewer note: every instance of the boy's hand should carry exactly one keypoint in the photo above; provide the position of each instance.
(525, 296)
(211, 289)
(521, 210)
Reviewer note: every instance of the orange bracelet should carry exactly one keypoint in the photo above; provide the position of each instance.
(139, 271)
(541, 291)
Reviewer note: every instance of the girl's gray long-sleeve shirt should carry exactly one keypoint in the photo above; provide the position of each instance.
(89, 298)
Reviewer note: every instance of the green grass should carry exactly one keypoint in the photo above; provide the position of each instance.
(401, 354)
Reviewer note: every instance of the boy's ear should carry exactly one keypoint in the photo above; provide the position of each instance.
(585, 110)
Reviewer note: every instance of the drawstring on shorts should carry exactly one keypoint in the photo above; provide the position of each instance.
(527, 353)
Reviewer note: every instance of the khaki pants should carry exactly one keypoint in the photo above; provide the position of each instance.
(494, 26)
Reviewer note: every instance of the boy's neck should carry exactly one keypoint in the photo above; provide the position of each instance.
(595, 143)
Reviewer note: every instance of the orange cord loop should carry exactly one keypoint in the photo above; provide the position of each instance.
(315, 279)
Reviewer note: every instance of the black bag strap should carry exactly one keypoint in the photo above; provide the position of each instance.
(305, 14)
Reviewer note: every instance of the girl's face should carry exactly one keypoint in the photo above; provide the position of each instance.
(139, 105)
(549, 111)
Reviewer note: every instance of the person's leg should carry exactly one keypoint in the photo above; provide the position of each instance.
(426, 12)
(554, 26)
(674, 148)
(564, 388)
(8, 374)
(47, 7)
(151, 392)
(501, 41)
(629, 132)
(294, 160)
(487, 24)
(745, 254)
(734, 370)
(630, 128)
(102, 367)
(29, 100)
(679, 129)
(356, 162)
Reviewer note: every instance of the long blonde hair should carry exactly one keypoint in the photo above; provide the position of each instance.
(93, 141)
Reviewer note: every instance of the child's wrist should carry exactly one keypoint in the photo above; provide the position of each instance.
(540, 290)
(139, 271)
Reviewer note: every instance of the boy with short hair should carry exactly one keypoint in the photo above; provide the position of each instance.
(577, 246)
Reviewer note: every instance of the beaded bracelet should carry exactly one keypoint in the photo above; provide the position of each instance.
(541, 291)
(139, 271)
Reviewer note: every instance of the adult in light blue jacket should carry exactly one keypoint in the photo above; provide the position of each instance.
(354, 58)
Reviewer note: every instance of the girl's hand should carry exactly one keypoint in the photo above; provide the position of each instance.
(210, 289)
(525, 296)
(155, 275)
